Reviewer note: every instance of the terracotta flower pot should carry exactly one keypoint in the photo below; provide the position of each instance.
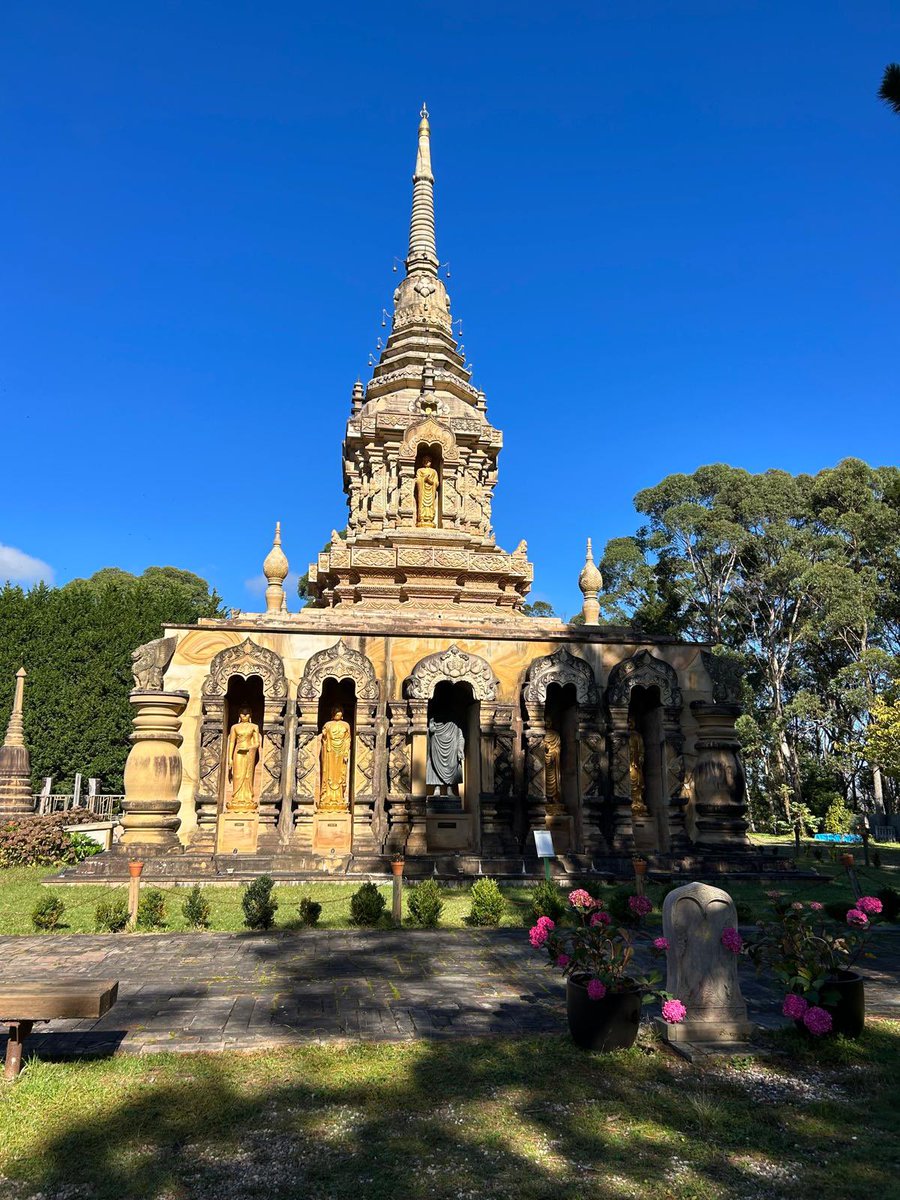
(608, 1024)
(846, 860)
(135, 867)
(640, 867)
(397, 867)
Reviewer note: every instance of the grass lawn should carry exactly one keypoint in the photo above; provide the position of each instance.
(460, 1120)
(20, 889)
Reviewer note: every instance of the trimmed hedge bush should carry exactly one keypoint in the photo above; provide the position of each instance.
(547, 900)
(259, 904)
(195, 909)
(425, 904)
(366, 905)
(488, 904)
(310, 910)
(47, 913)
(111, 916)
(151, 912)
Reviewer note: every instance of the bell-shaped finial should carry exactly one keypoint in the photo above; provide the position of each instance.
(275, 569)
(590, 581)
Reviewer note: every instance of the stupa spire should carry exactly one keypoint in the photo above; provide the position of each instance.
(422, 255)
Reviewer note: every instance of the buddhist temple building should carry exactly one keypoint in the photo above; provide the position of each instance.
(412, 707)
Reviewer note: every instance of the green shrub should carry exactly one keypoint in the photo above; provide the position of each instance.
(488, 904)
(745, 913)
(310, 910)
(876, 860)
(258, 903)
(547, 900)
(617, 904)
(111, 916)
(81, 847)
(196, 908)
(366, 905)
(838, 818)
(48, 911)
(890, 904)
(151, 912)
(838, 909)
(425, 904)
(41, 841)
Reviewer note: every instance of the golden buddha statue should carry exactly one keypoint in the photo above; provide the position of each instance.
(426, 495)
(335, 761)
(552, 754)
(243, 749)
(636, 772)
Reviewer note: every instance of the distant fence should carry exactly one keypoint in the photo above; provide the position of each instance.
(103, 807)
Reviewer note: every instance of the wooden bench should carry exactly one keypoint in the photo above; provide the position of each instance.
(23, 1004)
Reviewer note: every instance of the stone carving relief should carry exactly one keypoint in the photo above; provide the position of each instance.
(273, 755)
(307, 761)
(562, 668)
(592, 762)
(429, 433)
(149, 662)
(453, 664)
(503, 764)
(245, 660)
(643, 670)
(340, 661)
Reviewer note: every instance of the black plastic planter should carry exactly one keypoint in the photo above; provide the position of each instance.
(608, 1024)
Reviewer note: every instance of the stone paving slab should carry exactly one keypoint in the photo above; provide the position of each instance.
(244, 991)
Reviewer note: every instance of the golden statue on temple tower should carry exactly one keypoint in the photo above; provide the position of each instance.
(335, 762)
(426, 495)
(243, 748)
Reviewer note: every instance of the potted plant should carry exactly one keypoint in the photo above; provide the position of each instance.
(397, 863)
(813, 957)
(604, 991)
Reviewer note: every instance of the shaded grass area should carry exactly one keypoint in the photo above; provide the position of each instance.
(519, 1119)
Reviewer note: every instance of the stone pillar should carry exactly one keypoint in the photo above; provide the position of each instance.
(417, 841)
(306, 773)
(16, 797)
(593, 778)
(270, 769)
(621, 834)
(673, 779)
(535, 788)
(497, 836)
(720, 797)
(210, 773)
(153, 771)
(701, 972)
(364, 783)
(399, 780)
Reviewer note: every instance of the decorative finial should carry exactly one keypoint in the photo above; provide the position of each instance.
(275, 569)
(424, 113)
(590, 581)
(358, 397)
(15, 761)
(15, 730)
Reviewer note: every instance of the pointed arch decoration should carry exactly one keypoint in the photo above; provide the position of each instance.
(563, 668)
(245, 660)
(430, 432)
(340, 661)
(458, 667)
(643, 670)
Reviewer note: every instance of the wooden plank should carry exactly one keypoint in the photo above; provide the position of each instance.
(57, 999)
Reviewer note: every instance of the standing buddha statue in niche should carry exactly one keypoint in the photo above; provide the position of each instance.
(426, 495)
(446, 753)
(552, 755)
(334, 755)
(243, 749)
(636, 773)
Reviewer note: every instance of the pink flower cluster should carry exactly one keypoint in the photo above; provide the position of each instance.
(639, 905)
(816, 905)
(674, 1012)
(539, 933)
(596, 989)
(581, 899)
(870, 905)
(661, 943)
(817, 1020)
(732, 940)
(794, 1006)
(562, 960)
(857, 917)
(599, 918)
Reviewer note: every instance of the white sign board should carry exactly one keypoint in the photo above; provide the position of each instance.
(543, 843)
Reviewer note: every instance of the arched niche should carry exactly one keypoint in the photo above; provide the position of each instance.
(561, 668)
(339, 661)
(643, 670)
(456, 665)
(429, 433)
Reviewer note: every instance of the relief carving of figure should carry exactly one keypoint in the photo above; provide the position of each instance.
(426, 495)
(149, 662)
(552, 753)
(446, 751)
(243, 748)
(335, 760)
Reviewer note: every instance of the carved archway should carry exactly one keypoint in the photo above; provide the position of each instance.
(563, 668)
(429, 432)
(245, 660)
(643, 670)
(339, 661)
(457, 666)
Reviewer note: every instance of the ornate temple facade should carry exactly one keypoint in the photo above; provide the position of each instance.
(412, 707)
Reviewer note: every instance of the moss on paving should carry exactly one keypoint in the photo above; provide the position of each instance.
(496, 1119)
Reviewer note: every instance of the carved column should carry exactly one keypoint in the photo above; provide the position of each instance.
(399, 780)
(621, 834)
(535, 785)
(592, 777)
(417, 842)
(271, 765)
(153, 771)
(364, 779)
(496, 779)
(673, 775)
(305, 773)
(210, 774)
(719, 786)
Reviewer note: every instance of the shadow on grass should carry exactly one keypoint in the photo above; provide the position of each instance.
(489, 1119)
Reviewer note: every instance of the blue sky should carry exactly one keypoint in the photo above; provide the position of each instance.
(672, 229)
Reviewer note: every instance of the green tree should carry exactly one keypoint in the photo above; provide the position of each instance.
(75, 643)
(540, 608)
(889, 91)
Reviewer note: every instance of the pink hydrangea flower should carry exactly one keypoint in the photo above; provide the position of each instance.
(816, 905)
(539, 933)
(794, 1006)
(674, 1012)
(581, 899)
(732, 940)
(817, 1020)
(596, 989)
(600, 918)
(562, 960)
(870, 905)
(660, 943)
(856, 917)
(639, 905)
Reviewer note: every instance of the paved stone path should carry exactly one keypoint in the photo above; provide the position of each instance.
(221, 991)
